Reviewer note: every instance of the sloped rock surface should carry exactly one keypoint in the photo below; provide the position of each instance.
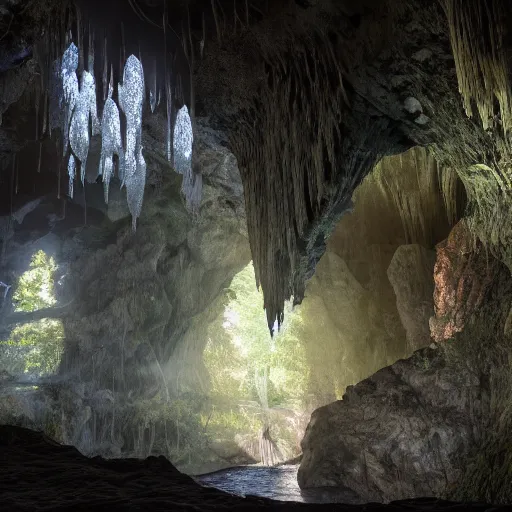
(401, 433)
(410, 274)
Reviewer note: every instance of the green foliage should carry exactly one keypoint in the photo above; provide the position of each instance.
(35, 287)
(34, 347)
(247, 348)
(240, 355)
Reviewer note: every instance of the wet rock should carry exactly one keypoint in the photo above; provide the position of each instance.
(401, 433)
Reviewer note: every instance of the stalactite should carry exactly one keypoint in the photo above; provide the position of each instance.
(391, 177)
(284, 165)
(85, 107)
(183, 142)
(71, 174)
(70, 90)
(476, 32)
(39, 159)
(153, 86)
(111, 143)
(131, 99)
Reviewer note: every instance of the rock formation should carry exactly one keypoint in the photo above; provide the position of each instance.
(403, 432)
(290, 105)
(412, 428)
(410, 273)
(463, 272)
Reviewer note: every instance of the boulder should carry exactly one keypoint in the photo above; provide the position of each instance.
(403, 432)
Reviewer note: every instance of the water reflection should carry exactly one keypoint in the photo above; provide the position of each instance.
(278, 483)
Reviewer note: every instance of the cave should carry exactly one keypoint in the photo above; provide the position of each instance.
(256, 255)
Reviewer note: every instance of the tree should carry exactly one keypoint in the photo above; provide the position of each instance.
(34, 347)
(257, 378)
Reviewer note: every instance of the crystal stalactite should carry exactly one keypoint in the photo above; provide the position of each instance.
(70, 89)
(85, 106)
(131, 99)
(71, 106)
(111, 142)
(88, 89)
(71, 173)
(79, 130)
(183, 140)
(135, 184)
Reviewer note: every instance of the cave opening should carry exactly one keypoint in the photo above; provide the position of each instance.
(256, 247)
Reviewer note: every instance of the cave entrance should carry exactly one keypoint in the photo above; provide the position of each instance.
(367, 305)
(258, 384)
(31, 353)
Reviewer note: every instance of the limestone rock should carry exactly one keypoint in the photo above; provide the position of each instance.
(411, 275)
(463, 274)
(402, 432)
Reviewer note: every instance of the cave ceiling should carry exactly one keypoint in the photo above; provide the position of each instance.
(309, 94)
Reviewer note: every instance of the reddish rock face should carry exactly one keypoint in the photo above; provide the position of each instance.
(463, 273)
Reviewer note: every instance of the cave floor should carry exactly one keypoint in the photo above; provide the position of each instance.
(37, 474)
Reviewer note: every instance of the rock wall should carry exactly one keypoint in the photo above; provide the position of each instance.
(370, 300)
(433, 423)
(463, 273)
(125, 299)
(401, 433)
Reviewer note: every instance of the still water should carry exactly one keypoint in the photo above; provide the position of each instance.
(278, 483)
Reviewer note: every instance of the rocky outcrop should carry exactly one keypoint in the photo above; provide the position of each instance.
(370, 300)
(436, 423)
(463, 274)
(126, 299)
(403, 432)
(410, 274)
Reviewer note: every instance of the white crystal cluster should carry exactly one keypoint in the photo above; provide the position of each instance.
(73, 106)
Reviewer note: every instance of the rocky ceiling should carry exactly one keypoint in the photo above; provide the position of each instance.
(310, 94)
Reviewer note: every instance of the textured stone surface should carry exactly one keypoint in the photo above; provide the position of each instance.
(463, 274)
(411, 275)
(126, 299)
(401, 433)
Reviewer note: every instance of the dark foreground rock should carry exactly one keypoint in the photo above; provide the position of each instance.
(38, 474)
(403, 432)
